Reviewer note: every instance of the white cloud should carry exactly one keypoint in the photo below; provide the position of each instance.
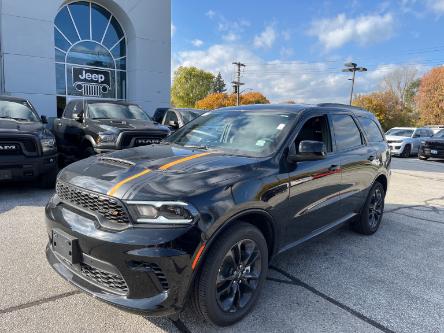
(436, 6)
(197, 42)
(282, 80)
(211, 13)
(173, 29)
(266, 38)
(231, 37)
(335, 32)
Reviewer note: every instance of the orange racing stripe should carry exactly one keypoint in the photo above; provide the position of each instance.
(163, 167)
(127, 180)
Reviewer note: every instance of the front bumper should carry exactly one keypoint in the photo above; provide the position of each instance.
(154, 265)
(427, 152)
(396, 148)
(21, 167)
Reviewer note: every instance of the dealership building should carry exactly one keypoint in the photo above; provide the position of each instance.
(53, 51)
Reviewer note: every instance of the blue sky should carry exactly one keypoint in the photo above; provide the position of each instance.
(294, 50)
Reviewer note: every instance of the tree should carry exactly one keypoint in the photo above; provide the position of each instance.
(219, 100)
(430, 97)
(387, 107)
(189, 86)
(219, 85)
(399, 81)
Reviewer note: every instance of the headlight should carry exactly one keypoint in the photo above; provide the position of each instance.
(106, 138)
(423, 142)
(48, 144)
(162, 212)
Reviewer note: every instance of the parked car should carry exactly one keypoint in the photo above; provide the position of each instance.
(177, 118)
(405, 141)
(28, 150)
(159, 113)
(202, 214)
(92, 126)
(436, 128)
(432, 147)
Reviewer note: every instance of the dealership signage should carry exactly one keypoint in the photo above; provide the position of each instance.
(91, 82)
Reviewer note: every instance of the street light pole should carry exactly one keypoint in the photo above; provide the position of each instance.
(352, 67)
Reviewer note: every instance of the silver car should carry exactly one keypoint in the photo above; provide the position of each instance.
(405, 141)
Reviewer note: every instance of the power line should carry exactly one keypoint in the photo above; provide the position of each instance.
(352, 67)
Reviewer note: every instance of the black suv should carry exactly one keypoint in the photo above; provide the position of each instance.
(201, 215)
(27, 149)
(91, 126)
(432, 147)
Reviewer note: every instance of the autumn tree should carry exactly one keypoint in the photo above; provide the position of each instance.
(387, 107)
(219, 85)
(219, 100)
(430, 97)
(189, 86)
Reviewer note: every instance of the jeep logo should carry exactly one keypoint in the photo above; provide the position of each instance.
(91, 82)
(7, 147)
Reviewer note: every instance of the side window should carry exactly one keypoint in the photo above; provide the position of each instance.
(346, 131)
(170, 116)
(315, 129)
(372, 129)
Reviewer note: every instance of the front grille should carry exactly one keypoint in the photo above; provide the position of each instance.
(113, 282)
(130, 140)
(109, 208)
(435, 145)
(25, 145)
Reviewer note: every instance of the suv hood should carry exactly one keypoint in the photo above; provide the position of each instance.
(117, 126)
(158, 172)
(396, 138)
(10, 125)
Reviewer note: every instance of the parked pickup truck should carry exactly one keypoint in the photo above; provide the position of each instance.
(90, 127)
(27, 149)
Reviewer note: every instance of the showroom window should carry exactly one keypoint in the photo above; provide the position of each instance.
(90, 53)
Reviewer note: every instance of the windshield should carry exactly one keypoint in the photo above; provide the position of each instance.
(247, 133)
(116, 111)
(440, 134)
(17, 111)
(189, 115)
(400, 132)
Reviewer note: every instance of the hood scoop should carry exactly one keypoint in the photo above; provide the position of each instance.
(116, 161)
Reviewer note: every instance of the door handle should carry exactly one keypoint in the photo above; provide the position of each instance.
(59, 124)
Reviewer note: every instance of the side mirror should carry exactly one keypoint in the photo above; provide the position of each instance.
(78, 117)
(416, 136)
(308, 151)
(173, 124)
(44, 119)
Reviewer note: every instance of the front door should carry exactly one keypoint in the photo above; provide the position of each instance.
(315, 186)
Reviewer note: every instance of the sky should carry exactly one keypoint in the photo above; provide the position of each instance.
(295, 49)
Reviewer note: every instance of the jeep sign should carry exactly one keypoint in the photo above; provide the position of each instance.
(91, 82)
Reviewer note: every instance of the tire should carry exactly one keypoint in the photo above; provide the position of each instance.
(423, 158)
(407, 151)
(371, 215)
(218, 264)
(87, 151)
(48, 180)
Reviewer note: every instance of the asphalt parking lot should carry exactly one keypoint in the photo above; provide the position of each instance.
(344, 282)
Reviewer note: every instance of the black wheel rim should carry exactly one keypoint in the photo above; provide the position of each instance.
(238, 276)
(375, 208)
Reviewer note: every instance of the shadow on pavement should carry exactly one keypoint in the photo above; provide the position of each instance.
(22, 194)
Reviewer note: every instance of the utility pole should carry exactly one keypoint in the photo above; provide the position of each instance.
(237, 84)
(352, 67)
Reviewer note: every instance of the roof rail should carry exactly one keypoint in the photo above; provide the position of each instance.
(344, 106)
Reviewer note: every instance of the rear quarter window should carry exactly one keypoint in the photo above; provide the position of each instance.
(347, 133)
(371, 129)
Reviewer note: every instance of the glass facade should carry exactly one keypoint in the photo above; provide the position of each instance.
(90, 52)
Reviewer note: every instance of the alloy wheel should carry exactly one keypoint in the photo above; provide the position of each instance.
(238, 276)
(375, 208)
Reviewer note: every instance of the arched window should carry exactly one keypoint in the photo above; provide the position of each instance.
(90, 53)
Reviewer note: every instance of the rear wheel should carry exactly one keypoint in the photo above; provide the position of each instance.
(407, 151)
(371, 214)
(232, 275)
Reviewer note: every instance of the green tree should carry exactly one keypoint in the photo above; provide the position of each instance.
(219, 85)
(190, 85)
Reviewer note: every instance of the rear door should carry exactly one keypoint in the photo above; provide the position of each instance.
(60, 126)
(356, 159)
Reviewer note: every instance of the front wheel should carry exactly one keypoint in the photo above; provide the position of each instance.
(232, 275)
(423, 158)
(371, 214)
(407, 151)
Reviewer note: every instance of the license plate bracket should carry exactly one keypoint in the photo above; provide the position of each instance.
(5, 174)
(434, 152)
(66, 246)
